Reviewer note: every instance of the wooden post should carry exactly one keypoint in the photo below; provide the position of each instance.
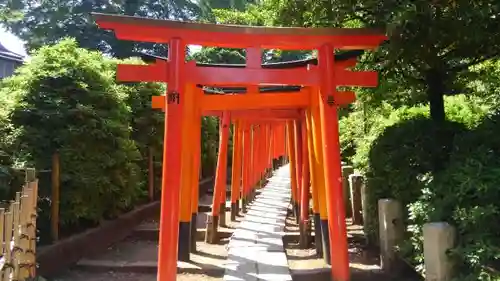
(151, 175)
(245, 161)
(220, 182)
(320, 182)
(236, 169)
(226, 123)
(16, 254)
(356, 184)
(172, 158)
(332, 166)
(304, 190)
(297, 135)
(346, 172)
(293, 164)
(318, 243)
(26, 260)
(196, 171)
(54, 208)
(9, 215)
(186, 193)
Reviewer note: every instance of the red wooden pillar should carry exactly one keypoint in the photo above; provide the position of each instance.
(246, 164)
(257, 153)
(332, 167)
(298, 167)
(236, 169)
(171, 178)
(293, 163)
(225, 124)
(220, 181)
(304, 191)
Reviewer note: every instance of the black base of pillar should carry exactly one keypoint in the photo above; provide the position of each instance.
(222, 214)
(194, 230)
(318, 242)
(244, 205)
(296, 211)
(184, 241)
(234, 211)
(304, 234)
(326, 242)
(211, 236)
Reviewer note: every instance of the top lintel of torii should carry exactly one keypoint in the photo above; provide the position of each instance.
(238, 36)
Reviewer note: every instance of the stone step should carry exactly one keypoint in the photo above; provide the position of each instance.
(151, 234)
(138, 256)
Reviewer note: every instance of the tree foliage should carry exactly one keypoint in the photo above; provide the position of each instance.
(48, 21)
(65, 100)
(465, 195)
(10, 10)
(431, 44)
(396, 151)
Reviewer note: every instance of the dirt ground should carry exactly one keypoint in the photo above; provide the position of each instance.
(305, 264)
(205, 265)
(116, 276)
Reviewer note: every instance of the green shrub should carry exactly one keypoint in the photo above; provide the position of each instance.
(356, 125)
(147, 126)
(401, 152)
(66, 99)
(209, 144)
(466, 195)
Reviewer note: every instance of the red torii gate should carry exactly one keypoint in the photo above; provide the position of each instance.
(324, 78)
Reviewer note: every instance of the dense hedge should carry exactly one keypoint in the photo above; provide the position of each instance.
(147, 126)
(403, 154)
(466, 195)
(66, 99)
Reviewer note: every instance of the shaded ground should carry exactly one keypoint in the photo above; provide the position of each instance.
(135, 258)
(306, 265)
(116, 276)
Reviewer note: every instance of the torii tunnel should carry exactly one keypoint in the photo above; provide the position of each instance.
(286, 109)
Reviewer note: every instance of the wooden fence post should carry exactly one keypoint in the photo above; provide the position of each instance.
(356, 184)
(54, 207)
(151, 175)
(18, 234)
(346, 172)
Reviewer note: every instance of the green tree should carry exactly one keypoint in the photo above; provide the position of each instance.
(253, 15)
(10, 10)
(431, 44)
(208, 6)
(66, 99)
(49, 21)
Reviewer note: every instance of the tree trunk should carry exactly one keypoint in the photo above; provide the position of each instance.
(435, 94)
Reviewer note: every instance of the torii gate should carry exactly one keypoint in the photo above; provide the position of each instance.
(321, 82)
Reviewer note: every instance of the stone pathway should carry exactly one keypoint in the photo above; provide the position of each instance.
(256, 250)
(250, 249)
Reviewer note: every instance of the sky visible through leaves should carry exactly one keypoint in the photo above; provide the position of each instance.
(12, 42)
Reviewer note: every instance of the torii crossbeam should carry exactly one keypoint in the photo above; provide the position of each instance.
(318, 85)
